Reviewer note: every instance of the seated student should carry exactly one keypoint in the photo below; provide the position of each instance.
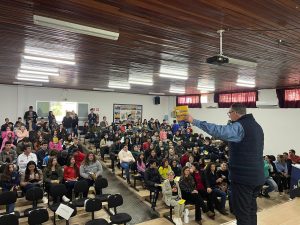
(53, 175)
(164, 169)
(199, 179)
(141, 165)
(41, 153)
(190, 162)
(176, 168)
(90, 169)
(21, 144)
(196, 154)
(26, 157)
(126, 159)
(22, 133)
(76, 145)
(272, 186)
(171, 155)
(32, 177)
(171, 196)
(184, 158)
(152, 156)
(191, 195)
(114, 149)
(104, 148)
(212, 182)
(62, 158)
(224, 174)
(153, 181)
(8, 154)
(55, 143)
(293, 157)
(9, 138)
(282, 174)
(10, 181)
(7, 131)
(71, 175)
(161, 150)
(68, 142)
(78, 156)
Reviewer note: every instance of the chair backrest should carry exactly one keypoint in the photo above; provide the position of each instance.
(9, 219)
(38, 216)
(115, 201)
(101, 183)
(81, 186)
(34, 194)
(58, 190)
(8, 197)
(93, 205)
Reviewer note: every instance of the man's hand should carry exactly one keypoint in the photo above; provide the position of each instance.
(189, 118)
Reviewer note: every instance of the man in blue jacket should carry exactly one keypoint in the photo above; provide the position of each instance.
(246, 166)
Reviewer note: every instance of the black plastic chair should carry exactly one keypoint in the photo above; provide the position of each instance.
(100, 184)
(56, 192)
(9, 219)
(80, 187)
(118, 218)
(33, 194)
(6, 198)
(38, 216)
(92, 205)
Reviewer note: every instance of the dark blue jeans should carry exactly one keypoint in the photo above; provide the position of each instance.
(222, 194)
(244, 203)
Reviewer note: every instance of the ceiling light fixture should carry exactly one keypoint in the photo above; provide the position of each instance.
(245, 85)
(147, 83)
(156, 93)
(39, 68)
(42, 59)
(47, 53)
(28, 83)
(246, 81)
(173, 76)
(118, 85)
(102, 89)
(32, 79)
(33, 76)
(73, 27)
(38, 72)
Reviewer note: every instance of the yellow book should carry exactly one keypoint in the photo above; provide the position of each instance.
(181, 201)
(181, 112)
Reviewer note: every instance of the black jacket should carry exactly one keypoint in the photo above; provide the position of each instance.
(152, 177)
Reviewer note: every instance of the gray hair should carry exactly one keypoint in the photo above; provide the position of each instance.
(239, 108)
(171, 172)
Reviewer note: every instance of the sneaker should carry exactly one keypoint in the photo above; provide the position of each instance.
(266, 195)
(223, 211)
(211, 215)
(65, 199)
(45, 200)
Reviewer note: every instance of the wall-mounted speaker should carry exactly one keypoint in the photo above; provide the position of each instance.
(157, 100)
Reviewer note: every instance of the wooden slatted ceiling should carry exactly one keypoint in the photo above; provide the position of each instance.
(154, 32)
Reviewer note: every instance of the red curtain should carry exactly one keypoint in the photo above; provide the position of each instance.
(246, 98)
(291, 98)
(193, 101)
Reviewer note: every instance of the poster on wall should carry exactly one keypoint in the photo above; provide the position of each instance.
(127, 112)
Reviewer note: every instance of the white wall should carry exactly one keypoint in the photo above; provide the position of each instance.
(15, 100)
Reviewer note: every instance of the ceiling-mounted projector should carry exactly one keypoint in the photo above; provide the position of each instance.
(221, 59)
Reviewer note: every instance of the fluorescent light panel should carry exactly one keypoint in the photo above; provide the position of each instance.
(173, 76)
(242, 62)
(73, 27)
(102, 89)
(27, 83)
(164, 70)
(49, 53)
(118, 85)
(33, 76)
(245, 85)
(156, 93)
(39, 68)
(246, 81)
(38, 73)
(42, 59)
(32, 79)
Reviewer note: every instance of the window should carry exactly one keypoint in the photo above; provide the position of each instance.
(226, 100)
(288, 98)
(193, 101)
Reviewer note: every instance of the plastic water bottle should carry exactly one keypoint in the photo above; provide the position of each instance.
(186, 216)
